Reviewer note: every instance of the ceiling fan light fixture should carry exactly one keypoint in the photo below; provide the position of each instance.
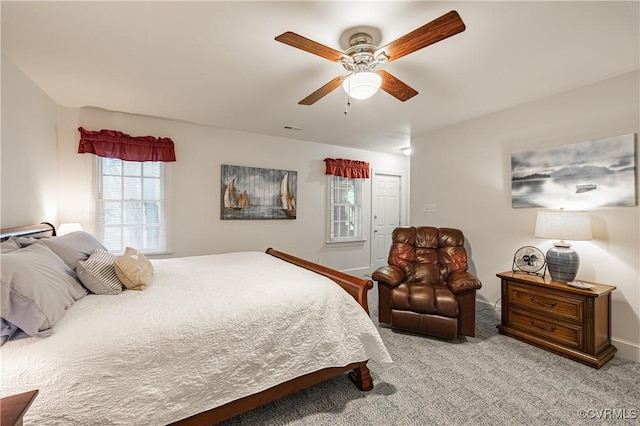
(362, 84)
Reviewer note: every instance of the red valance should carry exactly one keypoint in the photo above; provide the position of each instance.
(352, 169)
(114, 144)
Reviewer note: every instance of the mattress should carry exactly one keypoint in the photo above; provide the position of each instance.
(208, 330)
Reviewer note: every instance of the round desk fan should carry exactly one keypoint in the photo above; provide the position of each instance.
(529, 259)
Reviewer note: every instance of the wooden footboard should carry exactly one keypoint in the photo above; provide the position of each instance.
(358, 372)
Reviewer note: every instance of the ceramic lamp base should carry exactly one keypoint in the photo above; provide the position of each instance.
(562, 263)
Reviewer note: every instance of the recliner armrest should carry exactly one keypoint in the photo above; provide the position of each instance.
(391, 275)
(462, 281)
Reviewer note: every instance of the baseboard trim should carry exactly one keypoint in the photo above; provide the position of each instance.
(358, 272)
(626, 349)
(481, 304)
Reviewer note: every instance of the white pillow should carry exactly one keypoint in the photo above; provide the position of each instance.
(98, 274)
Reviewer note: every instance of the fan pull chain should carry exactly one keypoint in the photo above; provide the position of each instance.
(348, 104)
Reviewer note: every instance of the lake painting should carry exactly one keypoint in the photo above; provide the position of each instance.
(583, 175)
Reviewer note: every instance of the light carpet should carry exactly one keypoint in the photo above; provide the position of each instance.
(489, 379)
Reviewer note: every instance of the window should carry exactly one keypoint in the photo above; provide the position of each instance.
(345, 209)
(130, 205)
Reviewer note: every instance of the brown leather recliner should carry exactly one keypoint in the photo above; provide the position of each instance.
(426, 287)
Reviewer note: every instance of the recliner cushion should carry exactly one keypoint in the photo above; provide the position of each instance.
(400, 297)
(404, 235)
(425, 273)
(450, 237)
(425, 299)
(446, 301)
(427, 237)
(453, 259)
(403, 256)
(433, 325)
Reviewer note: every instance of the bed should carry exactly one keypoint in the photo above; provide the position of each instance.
(211, 337)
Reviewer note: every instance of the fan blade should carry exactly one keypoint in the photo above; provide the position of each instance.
(395, 87)
(303, 43)
(437, 30)
(322, 92)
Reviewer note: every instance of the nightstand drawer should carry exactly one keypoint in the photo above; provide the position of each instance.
(568, 321)
(548, 303)
(566, 334)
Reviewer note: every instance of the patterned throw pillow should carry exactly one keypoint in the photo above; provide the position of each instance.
(98, 274)
(134, 269)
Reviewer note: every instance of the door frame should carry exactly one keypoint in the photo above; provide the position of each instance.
(404, 205)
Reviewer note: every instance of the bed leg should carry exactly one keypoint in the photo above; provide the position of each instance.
(361, 378)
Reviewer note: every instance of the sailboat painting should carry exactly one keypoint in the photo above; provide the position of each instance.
(286, 197)
(256, 193)
(583, 175)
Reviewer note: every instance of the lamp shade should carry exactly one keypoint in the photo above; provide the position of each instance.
(563, 225)
(562, 260)
(67, 228)
(362, 85)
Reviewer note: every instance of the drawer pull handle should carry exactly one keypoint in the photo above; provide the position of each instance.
(533, 323)
(548, 305)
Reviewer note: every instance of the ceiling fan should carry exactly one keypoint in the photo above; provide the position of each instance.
(361, 58)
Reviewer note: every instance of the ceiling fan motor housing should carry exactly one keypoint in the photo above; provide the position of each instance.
(360, 56)
(360, 38)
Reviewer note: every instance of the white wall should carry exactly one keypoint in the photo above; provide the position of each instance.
(466, 170)
(29, 167)
(195, 222)
(45, 179)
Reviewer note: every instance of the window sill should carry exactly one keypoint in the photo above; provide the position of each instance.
(147, 253)
(359, 241)
(157, 253)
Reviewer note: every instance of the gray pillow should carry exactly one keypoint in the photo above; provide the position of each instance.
(7, 330)
(73, 247)
(98, 274)
(8, 245)
(24, 241)
(36, 288)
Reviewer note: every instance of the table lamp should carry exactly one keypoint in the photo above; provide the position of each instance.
(67, 228)
(562, 260)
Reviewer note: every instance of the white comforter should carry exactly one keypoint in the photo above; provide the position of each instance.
(208, 330)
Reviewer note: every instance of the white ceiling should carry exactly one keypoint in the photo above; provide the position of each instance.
(217, 63)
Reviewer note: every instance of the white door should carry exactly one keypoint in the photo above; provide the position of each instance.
(386, 216)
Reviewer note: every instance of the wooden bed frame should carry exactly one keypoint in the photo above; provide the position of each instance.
(358, 372)
(42, 230)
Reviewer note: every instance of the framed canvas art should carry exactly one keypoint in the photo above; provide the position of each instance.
(583, 175)
(256, 193)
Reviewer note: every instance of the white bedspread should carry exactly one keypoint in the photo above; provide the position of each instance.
(208, 330)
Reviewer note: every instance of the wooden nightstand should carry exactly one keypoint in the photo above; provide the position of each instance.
(568, 321)
(14, 407)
